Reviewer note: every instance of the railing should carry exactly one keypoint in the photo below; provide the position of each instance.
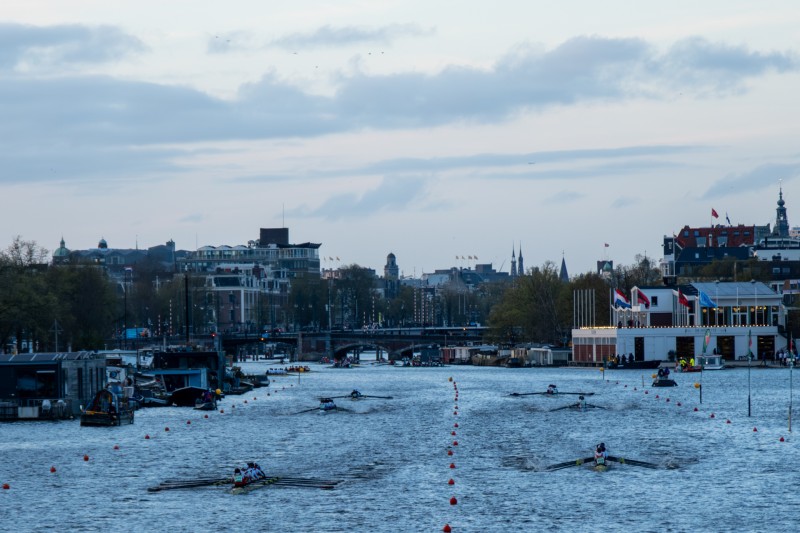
(48, 409)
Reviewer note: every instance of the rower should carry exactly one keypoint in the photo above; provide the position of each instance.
(600, 454)
(582, 403)
(355, 394)
(552, 389)
(238, 478)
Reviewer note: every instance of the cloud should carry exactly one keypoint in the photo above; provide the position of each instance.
(51, 119)
(329, 36)
(55, 46)
(623, 201)
(394, 195)
(753, 180)
(564, 197)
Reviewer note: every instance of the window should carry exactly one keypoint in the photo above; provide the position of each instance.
(654, 301)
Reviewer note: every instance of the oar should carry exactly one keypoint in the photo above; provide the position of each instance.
(567, 464)
(379, 397)
(306, 410)
(189, 484)
(525, 393)
(575, 393)
(633, 462)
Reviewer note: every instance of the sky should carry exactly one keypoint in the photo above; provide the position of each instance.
(447, 133)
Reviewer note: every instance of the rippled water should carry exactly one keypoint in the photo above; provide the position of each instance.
(392, 455)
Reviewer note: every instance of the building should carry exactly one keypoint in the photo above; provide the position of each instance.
(49, 385)
(730, 319)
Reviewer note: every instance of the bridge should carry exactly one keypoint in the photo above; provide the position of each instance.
(395, 343)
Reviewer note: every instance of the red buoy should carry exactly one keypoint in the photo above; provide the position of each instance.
(695, 408)
(656, 396)
(455, 425)
(452, 465)
(6, 486)
(188, 422)
(712, 415)
(446, 528)
(728, 421)
(53, 469)
(244, 402)
(455, 443)
(166, 429)
(647, 392)
(781, 439)
(222, 411)
(678, 404)
(147, 437)
(453, 500)
(455, 412)
(85, 457)
(254, 398)
(667, 400)
(449, 452)
(755, 429)
(451, 481)
(205, 416)
(452, 432)
(116, 446)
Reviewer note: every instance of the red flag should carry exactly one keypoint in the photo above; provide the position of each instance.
(682, 299)
(714, 213)
(643, 299)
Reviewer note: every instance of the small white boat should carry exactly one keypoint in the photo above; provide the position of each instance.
(710, 362)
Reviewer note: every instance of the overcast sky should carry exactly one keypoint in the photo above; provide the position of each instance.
(432, 130)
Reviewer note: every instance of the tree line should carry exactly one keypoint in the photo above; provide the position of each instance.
(79, 306)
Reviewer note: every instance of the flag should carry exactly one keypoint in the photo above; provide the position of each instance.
(706, 340)
(606, 245)
(750, 343)
(683, 300)
(728, 219)
(714, 213)
(620, 300)
(643, 298)
(706, 301)
(476, 257)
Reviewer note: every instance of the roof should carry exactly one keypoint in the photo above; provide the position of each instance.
(48, 357)
(729, 289)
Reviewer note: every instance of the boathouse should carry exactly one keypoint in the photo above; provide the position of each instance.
(49, 385)
(730, 319)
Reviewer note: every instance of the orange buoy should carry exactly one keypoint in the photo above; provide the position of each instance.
(52, 470)
(453, 500)
(446, 528)
(451, 481)
(85, 457)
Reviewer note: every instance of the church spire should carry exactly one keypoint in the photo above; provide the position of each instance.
(781, 222)
(520, 264)
(513, 263)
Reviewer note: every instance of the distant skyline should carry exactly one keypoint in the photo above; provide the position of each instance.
(431, 131)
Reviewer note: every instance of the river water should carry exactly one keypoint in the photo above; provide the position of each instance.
(393, 456)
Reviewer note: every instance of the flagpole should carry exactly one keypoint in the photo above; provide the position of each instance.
(791, 366)
(749, 360)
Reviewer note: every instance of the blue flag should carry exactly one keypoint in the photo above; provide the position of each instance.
(705, 301)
